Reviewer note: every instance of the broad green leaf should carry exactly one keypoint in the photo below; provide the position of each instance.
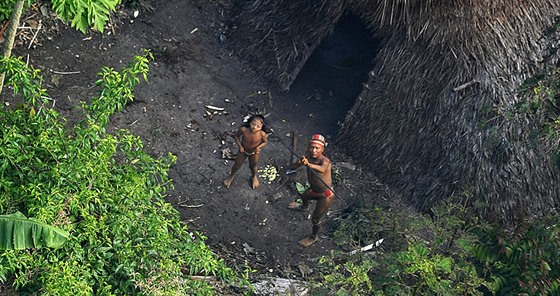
(18, 232)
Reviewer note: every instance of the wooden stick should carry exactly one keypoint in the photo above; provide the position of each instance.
(192, 206)
(4, 28)
(294, 146)
(35, 35)
(464, 85)
(65, 73)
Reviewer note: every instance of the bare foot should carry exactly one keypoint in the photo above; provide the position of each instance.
(228, 181)
(297, 207)
(255, 182)
(308, 241)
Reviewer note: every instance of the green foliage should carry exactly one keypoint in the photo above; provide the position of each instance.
(349, 277)
(422, 271)
(364, 226)
(418, 255)
(540, 94)
(337, 176)
(85, 13)
(6, 8)
(453, 252)
(522, 262)
(117, 85)
(537, 108)
(81, 14)
(18, 232)
(25, 82)
(104, 190)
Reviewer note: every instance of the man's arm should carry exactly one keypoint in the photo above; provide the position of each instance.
(322, 168)
(296, 165)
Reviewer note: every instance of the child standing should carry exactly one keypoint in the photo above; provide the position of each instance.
(251, 137)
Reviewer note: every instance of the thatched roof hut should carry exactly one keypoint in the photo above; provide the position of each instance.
(444, 68)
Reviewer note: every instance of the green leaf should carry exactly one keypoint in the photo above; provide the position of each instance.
(445, 264)
(300, 188)
(18, 232)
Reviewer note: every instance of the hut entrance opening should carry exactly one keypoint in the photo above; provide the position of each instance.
(332, 78)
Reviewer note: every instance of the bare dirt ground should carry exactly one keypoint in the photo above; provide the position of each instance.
(193, 70)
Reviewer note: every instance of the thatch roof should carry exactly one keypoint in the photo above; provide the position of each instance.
(445, 67)
(271, 36)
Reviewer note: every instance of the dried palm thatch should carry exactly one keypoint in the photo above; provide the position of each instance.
(277, 36)
(446, 68)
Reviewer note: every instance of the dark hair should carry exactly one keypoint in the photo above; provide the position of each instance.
(255, 116)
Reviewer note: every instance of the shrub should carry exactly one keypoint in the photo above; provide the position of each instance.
(413, 254)
(102, 188)
(523, 261)
(453, 252)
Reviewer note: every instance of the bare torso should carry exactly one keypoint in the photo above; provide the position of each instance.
(249, 140)
(313, 176)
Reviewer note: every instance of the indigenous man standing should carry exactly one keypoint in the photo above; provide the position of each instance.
(319, 176)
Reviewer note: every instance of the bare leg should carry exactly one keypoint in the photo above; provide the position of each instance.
(321, 209)
(239, 160)
(253, 160)
(304, 207)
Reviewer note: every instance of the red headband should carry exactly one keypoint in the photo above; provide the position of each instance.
(319, 139)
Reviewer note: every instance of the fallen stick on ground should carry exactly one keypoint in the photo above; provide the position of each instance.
(65, 73)
(191, 206)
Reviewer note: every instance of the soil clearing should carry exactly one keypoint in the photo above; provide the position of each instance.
(175, 112)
